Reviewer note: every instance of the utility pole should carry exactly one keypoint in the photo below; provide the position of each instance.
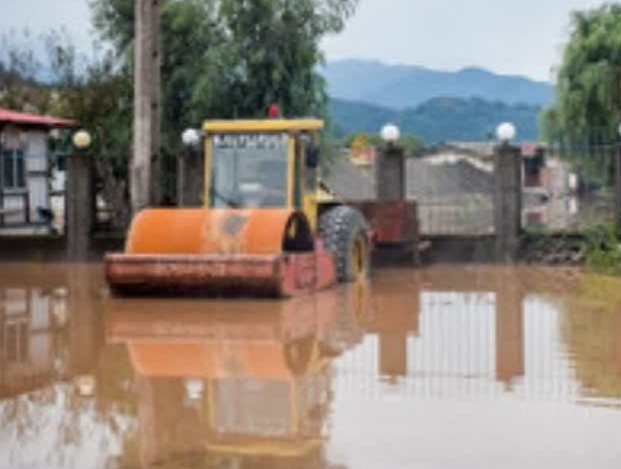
(146, 105)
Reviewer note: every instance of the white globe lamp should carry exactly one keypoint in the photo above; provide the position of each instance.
(390, 133)
(190, 137)
(81, 139)
(505, 132)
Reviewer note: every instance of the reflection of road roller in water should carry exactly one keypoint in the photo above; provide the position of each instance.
(268, 226)
(260, 379)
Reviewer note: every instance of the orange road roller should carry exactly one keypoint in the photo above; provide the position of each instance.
(267, 225)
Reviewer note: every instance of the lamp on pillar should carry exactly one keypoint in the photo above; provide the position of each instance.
(191, 137)
(507, 194)
(390, 166)
(390, 133)
(79, 215)
(505, 132)
(81, 140)
(190, 170)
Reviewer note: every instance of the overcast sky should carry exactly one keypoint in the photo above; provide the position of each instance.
(506, 36)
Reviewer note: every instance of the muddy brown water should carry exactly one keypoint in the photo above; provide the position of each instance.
(442, 367)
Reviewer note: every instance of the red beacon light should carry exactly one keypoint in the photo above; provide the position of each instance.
(274, 111)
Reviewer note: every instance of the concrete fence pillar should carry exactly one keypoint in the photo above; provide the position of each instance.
(190, 178)
(390, 173)
(507, 202)
(80, 206)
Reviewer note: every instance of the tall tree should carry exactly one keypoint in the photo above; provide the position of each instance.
(20, 72)
(588, 88)
(277, 43)
(191, 45)
(232, 58)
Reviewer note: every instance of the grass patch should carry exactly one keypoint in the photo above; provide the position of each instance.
(601, 249)
(596, 248)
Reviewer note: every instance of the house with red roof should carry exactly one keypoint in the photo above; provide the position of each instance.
(27, 171)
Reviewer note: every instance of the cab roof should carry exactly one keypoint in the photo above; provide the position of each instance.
(262, 125)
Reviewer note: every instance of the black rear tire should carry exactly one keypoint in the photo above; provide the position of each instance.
(344, 230)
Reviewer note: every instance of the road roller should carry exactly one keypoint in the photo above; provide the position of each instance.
(267, 225)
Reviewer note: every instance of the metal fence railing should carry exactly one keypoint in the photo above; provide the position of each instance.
(454, 194)
(566, 187)
(574, 188)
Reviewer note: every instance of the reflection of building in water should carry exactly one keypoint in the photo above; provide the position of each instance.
(50, 330)
(32, 349)
(251, 383)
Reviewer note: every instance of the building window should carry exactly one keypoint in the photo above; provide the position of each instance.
(13, 169)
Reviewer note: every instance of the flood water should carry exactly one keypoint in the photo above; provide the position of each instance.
(442, 367)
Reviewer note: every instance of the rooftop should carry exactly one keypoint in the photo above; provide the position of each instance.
(25, 118)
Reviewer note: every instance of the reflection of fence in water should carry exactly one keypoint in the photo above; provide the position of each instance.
(464, 349)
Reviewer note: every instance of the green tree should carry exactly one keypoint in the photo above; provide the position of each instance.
(19, 69)
(194, 59)
(277, 42)
(588, 88)
(232, 58)
(93, 91)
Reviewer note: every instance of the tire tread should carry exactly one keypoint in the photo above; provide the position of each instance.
(339, 227)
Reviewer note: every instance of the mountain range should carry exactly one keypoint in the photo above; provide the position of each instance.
(407, 86)
(435, 105)
(438, 119)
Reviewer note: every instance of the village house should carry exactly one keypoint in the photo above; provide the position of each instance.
(30, 178)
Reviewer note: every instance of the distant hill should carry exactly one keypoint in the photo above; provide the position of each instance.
(438, 119)
(403, 86)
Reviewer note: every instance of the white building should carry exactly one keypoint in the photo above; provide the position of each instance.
(27, 175)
